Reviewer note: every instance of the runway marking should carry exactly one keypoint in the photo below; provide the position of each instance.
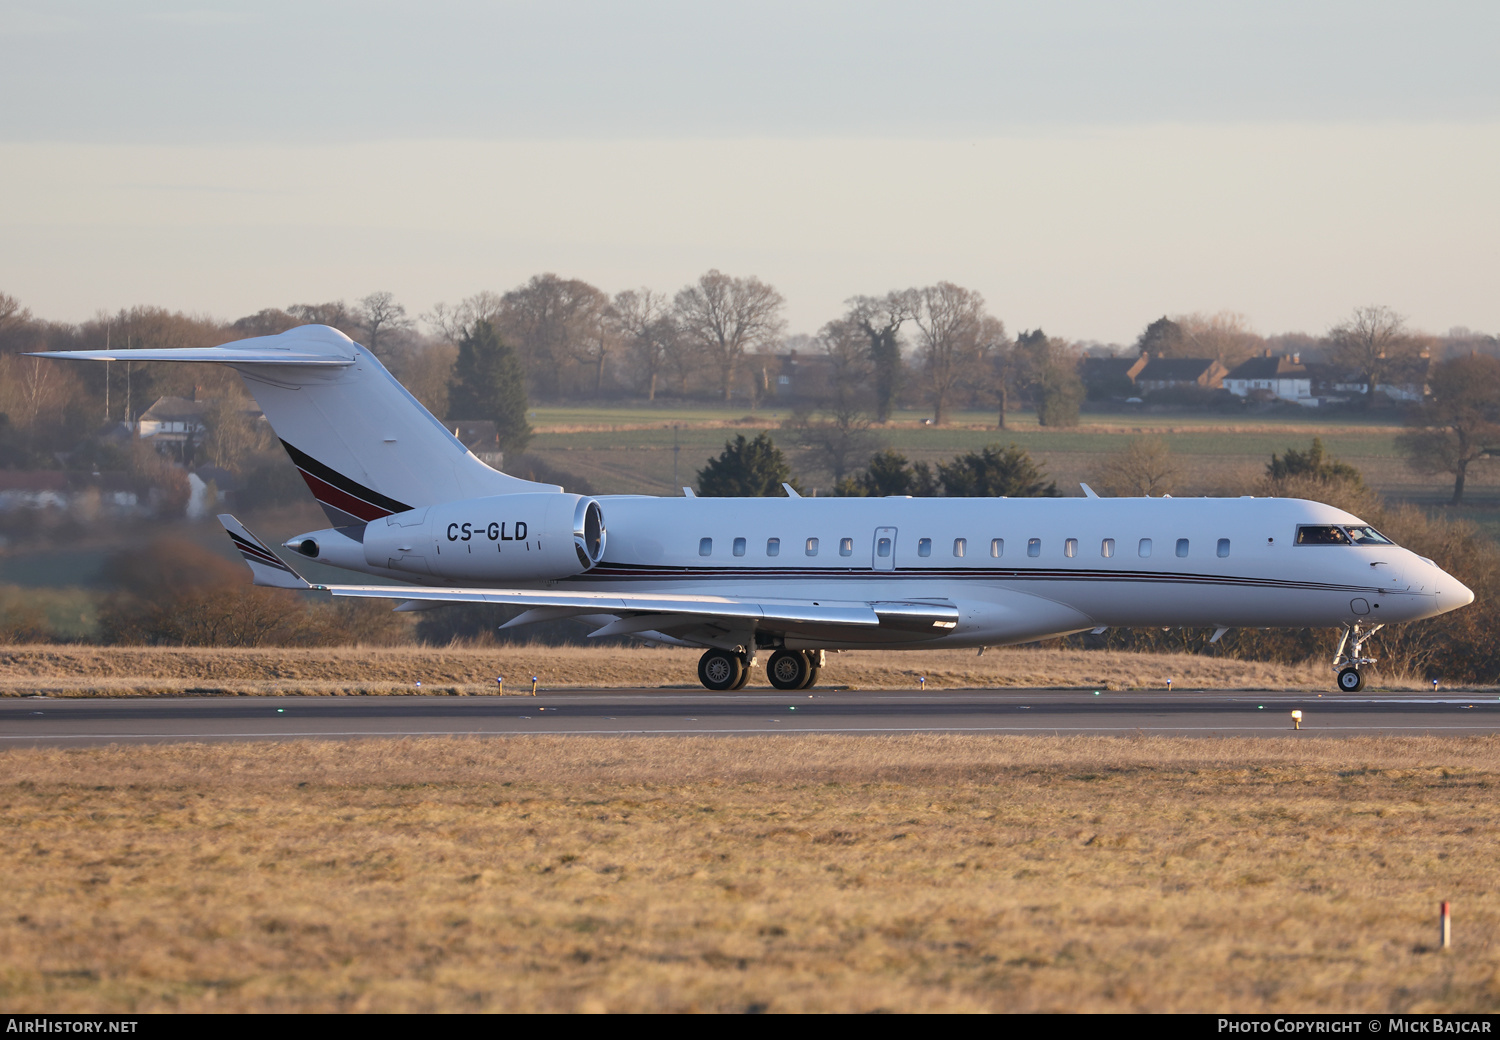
(674, 732)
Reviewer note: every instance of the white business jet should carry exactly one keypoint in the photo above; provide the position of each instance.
(790, 577)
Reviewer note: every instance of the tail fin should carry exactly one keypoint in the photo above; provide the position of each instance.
(365, 446)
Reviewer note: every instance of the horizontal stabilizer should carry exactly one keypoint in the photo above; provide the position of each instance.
(265, 566)
(308, 345)
(202, 355)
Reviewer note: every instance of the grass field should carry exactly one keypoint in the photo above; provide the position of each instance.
(777, 874)
(630, 450)
(82, 671)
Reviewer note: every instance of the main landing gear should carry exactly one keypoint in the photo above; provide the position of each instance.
(1348, 659)
(787, 669)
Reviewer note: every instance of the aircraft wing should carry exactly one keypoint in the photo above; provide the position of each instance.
(936, 617)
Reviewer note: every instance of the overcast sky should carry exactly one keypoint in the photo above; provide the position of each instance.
(1087, 166)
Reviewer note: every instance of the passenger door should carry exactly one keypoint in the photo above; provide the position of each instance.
(885, 549)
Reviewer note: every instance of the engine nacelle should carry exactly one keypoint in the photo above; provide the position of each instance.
(337, 547)
(502, 538)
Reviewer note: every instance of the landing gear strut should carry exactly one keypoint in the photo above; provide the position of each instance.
(1348, 659)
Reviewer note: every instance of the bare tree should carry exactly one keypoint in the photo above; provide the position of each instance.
(729, 317)
(549, 320)
(1370, 343)
(851, 369)
(335, 314)
(233, 435)
(1145, 467)
(880, 319)
(955, 332)
(268, 321)
(1459, 423)
(453, 323)
(11, 312)
(599, 337)
(1226, 336)
(646, 323)
(17, 330)
(380, 315)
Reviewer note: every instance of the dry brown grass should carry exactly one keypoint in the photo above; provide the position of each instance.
(134, 671)
(792, 874)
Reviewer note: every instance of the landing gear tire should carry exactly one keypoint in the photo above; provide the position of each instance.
(790, 670)
(814, 665)
(721, 670)
(1351, 681)
(744, 675)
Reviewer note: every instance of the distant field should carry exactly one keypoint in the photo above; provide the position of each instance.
(630, 451)
(919, 873)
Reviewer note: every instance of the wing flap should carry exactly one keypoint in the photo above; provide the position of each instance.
(826, 612)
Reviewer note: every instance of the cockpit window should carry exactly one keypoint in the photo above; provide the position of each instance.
(1308, 534)
(1330, 534)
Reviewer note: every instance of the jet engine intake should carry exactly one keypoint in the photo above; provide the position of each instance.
(501, 538)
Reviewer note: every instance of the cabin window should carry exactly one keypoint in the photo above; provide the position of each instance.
(997, 547)
(846, 546)
(960, 545)
(1223, 547)
(812, 547)
(883, 547)
(1182, 547)
(1107, 548)
(924, 546)
(1145, 547)
(1033, 547)
(773, 546)
(705, 546)
(739, 547)
(1070, 547)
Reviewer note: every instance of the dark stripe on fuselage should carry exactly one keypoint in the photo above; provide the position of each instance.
(330, 486)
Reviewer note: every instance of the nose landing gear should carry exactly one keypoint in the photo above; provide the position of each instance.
(1349, 662)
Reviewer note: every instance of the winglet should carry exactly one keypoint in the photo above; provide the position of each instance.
(1088, 492)
(265, 566)
(791, 492)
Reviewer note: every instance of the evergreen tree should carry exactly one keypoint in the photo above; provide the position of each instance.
(1312, 463)
(746, 469)
(1163, 336)
(1059, 394)
(487, 384)
(994, 472)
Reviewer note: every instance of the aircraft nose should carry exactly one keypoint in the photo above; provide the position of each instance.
(1452, 593)
(1461, 593)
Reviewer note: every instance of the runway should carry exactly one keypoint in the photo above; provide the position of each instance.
(84, 721)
